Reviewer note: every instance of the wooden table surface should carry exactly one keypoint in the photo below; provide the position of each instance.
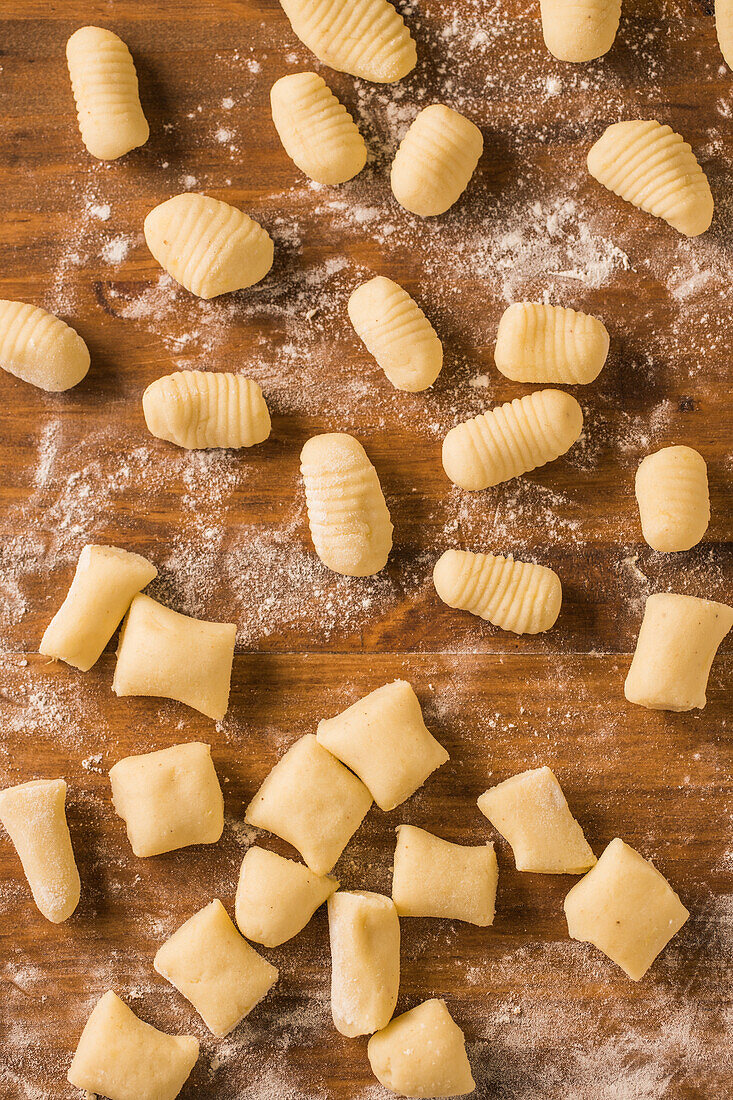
(544, 1017)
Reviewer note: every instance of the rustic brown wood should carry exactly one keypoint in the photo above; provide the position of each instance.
(544, 1017)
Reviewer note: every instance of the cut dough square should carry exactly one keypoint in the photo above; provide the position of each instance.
(530, 811)
(175, 657)
(105, 581)
(215, 969)
(364, 930)
(313, 802)
(169, 799)
(383, 738)
(276, 897)
(122, 1058)
(434, 878)
(422, 1053)
(626, 908)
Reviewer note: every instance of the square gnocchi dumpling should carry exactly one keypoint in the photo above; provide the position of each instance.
(626, 908)
(435, 878)
(215, 969)
(169, 799)
(312, 801)
(276, 897)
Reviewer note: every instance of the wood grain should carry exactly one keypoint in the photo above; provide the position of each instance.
(544, 1017)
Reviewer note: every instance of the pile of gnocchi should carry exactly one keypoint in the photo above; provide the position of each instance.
(379, 749)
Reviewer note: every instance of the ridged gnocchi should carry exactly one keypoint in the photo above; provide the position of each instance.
(366, 38)
(511, 439)
(579, 30)
(513, 595)
(208, 246)
(397, 333)
(199, 409)
(347, 513)
(435, 161)
(317, 132)
(39, 348)
(652, 167)
(543, 343)
(105, 87)
(724, 28)
(673, 497)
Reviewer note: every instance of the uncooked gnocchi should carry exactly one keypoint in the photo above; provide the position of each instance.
(215, 969)
(677, 642)
(513, 595)
(625, 908)
(105, 582)
(122, 1058)
(542, 343)
(365, 961)
(34, 815)
(312, 801)
(724, 28)
(174, 656)
(208, 246)
(347, 513)
(579, 30)
(276, 897)
(39, 348)
(104, 83)
(366, 38)
(384, 740)
(198, 409)
(317, 132)
(512, 439)
(673, 498)
(435, 161)
(397, 333)
(422, 1053)
(531, 812)
(168, 799)
(435, 878)
(654, 168)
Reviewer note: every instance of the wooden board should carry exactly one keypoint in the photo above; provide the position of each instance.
(544, 1017)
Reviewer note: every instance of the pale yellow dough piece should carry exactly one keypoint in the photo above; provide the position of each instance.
(276, 897)
(512, 439)
(105, 581)
(397, 333)
(198, 409)
(39, 348)
(208, 246)
(673, 498)
(168, 799)
(383, 738)
(651, 166)
(543, 343)
(313, 802)
(514, 595)
(625, 908)
(347, 513)
(434, 878)
(435, 161)
(677, 642)
(122, 1058)
(724, 28)
(175, 657)
(365, 961)
(531, 812)
(366, 38)
(579, 30)
(317, 132)
(215, 969)
(34, 815)
(422, 1053)
(104, 83)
